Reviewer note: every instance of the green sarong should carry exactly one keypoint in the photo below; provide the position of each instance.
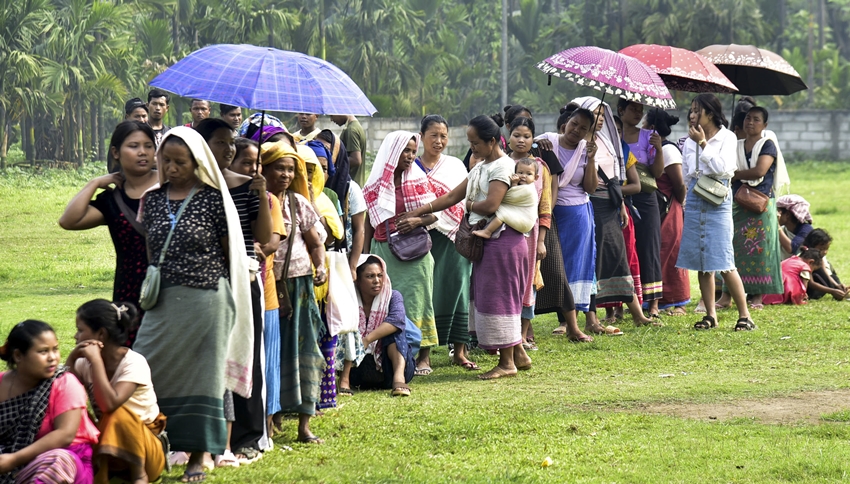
(451, 294)
(757, 255)
(184, 338)
(415, 281)
(301, 362)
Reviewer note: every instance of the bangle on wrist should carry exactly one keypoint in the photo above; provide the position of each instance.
(430, 207)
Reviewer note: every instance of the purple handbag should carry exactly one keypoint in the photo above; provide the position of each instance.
(410, 246)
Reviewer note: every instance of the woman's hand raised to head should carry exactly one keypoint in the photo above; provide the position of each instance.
(655, 140)
(105, 181)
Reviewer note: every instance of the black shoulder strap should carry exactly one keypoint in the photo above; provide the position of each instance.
(129, 214)
(668, 142)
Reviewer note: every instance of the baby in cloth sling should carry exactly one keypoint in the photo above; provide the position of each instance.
(519, 207)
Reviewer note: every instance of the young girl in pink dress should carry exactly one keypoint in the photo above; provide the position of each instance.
(796, 274)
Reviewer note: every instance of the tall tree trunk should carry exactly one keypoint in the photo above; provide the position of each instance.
(79, 135)
(27, 137)
(810, 76)
(93, 131)
(620, 22)
(4, 137)
(101, 133)
(504, 53)
(782, 22)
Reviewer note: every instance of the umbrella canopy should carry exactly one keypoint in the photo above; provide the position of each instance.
(263, 78)
(681, 69)
(754, 71)
(611, 73)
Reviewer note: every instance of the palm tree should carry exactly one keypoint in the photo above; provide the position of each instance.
(21, 23)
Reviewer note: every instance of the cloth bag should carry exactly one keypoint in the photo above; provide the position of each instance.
(150, 286)
(647, 181)
(410, 246)
(468, 245)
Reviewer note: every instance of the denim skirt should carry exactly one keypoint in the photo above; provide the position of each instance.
(707, 234)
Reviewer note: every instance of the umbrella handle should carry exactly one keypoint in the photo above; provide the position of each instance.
(260, 147)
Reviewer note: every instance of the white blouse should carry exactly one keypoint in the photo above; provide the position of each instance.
(719, 157)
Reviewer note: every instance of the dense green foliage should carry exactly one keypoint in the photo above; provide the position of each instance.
(67, 66)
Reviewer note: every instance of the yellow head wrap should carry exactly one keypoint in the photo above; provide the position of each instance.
(271, 152)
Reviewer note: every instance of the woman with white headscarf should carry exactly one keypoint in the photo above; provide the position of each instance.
(614, 279)
(201, 324)
(397, 185)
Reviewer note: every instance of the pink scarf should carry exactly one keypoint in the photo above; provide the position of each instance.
(379, 190)
(379, 310)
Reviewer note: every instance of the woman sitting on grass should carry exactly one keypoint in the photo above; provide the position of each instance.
(795, 223)
(382, 327)
(124, 400)
(46, 435)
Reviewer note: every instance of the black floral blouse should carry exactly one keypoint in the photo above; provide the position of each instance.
(195, 257)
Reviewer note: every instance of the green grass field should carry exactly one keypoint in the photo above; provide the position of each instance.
(600, 411)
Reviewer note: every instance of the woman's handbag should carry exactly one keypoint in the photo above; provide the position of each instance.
(150, 286)
(283, 301)
(751, 199)
(711, 190)
(615, 193)
(410, 246)
(647, 181)
(468, 245)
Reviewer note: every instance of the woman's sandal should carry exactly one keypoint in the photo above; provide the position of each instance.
(400, 389)
(199, 476)
(745, 324)
(467, 365)
(707, 323)
(343, 391)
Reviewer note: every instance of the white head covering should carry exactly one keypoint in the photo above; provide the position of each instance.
(379, 190)
(608, 133)
(241, 343)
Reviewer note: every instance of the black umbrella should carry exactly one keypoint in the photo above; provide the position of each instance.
(754, 71)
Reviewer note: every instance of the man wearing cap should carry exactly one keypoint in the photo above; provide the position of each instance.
(135, 109)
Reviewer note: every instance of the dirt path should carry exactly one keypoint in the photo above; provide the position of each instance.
(807, 407)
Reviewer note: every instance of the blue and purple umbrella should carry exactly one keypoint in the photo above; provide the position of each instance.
(265, 79)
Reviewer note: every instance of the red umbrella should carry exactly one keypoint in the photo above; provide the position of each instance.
(681, 69)
(756, 72)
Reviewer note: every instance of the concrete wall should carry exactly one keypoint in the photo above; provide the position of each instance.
(802, 134)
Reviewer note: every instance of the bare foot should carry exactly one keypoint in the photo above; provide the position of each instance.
(482, 233)
(498, 372)
(310, 439)
(522, 362)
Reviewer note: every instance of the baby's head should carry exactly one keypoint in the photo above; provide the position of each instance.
(526, 168)
(819, 239)
(812, 257)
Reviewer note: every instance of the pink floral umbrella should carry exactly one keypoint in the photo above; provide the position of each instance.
(681, 69)
(611, 73)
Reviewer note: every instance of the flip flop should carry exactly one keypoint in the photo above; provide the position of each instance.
(423, 371)
(199, 476)
(699, 310)
(226, 460)
(559, 331)
(400, 389)
(344, 391)
(757, 307)
(468, 365)
(581, 339)
(612, 331)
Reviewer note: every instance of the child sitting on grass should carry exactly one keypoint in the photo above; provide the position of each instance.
(796, 277)
(795, 223)
(519, 207)
(824, 280)
(129, 420)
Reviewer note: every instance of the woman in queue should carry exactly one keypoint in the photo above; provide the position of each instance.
(499, 279)
(451, 295)
(756, 238)
(397, 186)
(132, 148)
(300, 363)
(194, 235)
(711, 150)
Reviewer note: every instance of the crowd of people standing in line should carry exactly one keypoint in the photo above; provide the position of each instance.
(285, 283)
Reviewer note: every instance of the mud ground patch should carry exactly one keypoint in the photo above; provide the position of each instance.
(803, 407)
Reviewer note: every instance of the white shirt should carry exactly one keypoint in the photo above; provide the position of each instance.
(719, 157)
(672, 156)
